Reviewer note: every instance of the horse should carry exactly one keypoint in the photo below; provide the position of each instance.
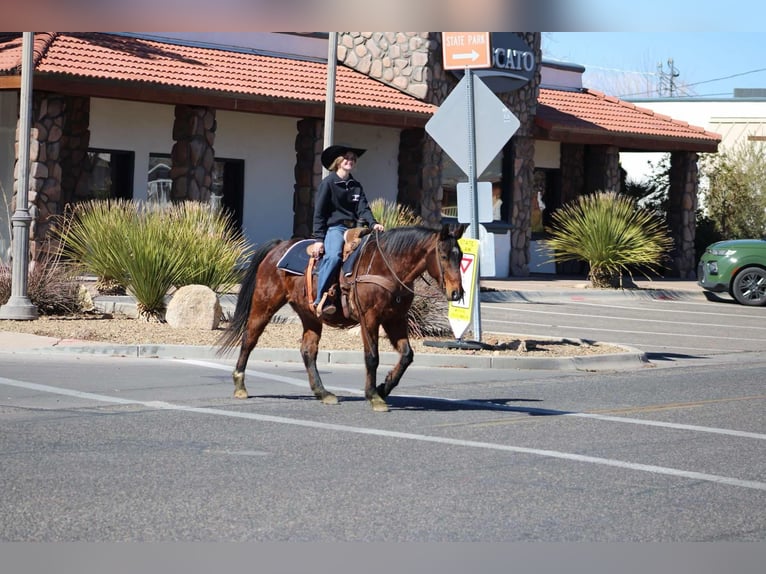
(380, 293)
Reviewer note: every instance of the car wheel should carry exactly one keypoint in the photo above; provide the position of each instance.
(749, 286)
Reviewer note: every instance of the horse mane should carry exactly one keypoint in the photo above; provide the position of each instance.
(403, 239)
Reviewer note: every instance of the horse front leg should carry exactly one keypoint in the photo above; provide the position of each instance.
(312, 332)
(371, 362)
(397, 334)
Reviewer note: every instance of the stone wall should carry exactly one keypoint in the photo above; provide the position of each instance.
(411, 62)
(308, 174)
(193, 153)
(602, 168)
(682, 213)
(59, 140)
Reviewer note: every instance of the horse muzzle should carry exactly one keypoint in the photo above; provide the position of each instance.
(455, 295)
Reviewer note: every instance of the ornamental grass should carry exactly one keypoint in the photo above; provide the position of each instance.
(149, 249)
(612, 234)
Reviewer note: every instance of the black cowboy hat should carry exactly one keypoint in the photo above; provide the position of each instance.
(335, 151)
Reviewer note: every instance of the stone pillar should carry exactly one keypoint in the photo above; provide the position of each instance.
(521, 208)
(410, 175)
(523, 103)
(682, 213)
(58, 147)
(572, 172)
(74, 151)
(602, 168)
(308, 174)
(431, 199)
(193, 153)
(399, 59)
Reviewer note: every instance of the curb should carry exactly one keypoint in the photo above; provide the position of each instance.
(630, 359)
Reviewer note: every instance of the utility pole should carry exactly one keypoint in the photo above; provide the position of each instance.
(666, 80)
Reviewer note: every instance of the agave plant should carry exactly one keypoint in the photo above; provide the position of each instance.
(92, 233)
(611, 233)
(217, 250)
(149, 249)
(391, 214)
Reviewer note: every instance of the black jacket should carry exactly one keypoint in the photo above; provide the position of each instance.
(339, 201)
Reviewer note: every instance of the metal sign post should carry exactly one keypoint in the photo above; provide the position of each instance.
(474, 201)
(472, 125)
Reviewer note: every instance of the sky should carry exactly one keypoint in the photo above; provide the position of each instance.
(636, 64)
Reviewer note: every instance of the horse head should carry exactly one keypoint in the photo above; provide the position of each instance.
(445, 267)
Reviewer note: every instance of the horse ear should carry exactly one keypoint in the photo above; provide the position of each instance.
(452, 230)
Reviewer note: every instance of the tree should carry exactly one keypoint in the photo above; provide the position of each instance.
(736, 196)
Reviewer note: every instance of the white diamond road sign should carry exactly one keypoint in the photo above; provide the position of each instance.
(494, 125)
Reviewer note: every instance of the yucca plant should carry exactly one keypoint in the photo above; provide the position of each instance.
(216, 248)
(92, 233)
(153, 262)
(611, 233)
(391, 214)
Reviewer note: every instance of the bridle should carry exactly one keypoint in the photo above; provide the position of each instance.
(398, 280)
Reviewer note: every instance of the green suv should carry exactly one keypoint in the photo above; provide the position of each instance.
(737, 267)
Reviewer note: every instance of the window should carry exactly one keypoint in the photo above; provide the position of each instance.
(452, 175)
(226, 190)
(110, 174)
(546, 194)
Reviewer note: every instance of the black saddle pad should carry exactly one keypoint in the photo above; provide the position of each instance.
(295, 260)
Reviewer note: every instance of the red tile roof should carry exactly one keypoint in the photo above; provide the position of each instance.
(129, 59)
(585, 116)
(590, 115)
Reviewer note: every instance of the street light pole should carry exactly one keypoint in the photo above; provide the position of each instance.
(19, 307)
(329, 106)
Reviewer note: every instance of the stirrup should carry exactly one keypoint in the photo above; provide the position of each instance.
(321, 304)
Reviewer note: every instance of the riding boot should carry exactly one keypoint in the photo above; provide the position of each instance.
(330, 301)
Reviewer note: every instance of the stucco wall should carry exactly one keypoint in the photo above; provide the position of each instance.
(265, 143)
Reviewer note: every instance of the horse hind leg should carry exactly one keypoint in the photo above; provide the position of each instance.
(256, 324)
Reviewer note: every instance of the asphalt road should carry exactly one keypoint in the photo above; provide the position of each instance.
(118, 449)
(665, 329)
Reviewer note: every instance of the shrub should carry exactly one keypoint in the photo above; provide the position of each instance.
(52, 287)
(217, 249)
(93, 234)
(390, 214)
(150, 249)
(611, 233)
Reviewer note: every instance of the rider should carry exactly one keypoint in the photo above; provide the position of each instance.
(339, 204)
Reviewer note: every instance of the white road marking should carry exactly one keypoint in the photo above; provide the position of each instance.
(586, 328)
(622, 319)
(661, 470)
(493, 406)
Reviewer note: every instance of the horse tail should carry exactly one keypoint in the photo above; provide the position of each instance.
(238, 323)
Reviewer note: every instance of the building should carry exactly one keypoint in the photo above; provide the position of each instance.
(739, 118)
(239, 118)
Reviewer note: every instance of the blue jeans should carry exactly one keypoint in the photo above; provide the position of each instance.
(329, 265)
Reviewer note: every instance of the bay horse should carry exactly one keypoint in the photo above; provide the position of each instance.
(381, 291)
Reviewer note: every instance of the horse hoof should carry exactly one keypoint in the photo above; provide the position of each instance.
(240, 394)
(329, 399)
(379, 405)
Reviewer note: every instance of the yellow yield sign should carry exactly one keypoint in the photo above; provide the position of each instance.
(460, 312)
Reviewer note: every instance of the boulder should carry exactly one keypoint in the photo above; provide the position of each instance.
(194, 307)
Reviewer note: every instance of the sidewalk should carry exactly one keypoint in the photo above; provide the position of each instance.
(539, 288)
